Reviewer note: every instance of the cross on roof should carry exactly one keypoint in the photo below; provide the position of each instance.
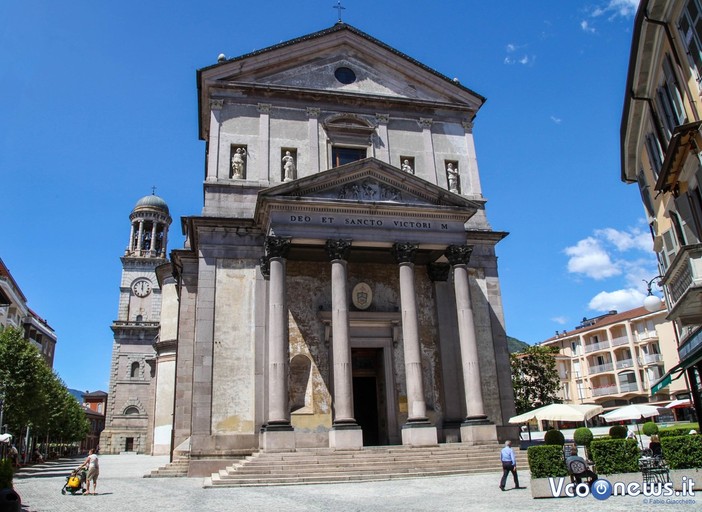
(153, 190)
(339, 8)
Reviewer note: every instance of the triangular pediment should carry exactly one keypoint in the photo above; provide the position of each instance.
(364, 186)
(311, 62)
(368, 181)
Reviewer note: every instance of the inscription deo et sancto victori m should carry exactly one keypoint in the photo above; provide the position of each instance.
(368, 222)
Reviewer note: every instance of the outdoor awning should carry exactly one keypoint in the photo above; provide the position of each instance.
(667, 378)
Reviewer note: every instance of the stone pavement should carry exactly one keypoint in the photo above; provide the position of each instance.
(122, 488)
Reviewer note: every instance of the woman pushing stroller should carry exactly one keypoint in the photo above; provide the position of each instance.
(91, 462)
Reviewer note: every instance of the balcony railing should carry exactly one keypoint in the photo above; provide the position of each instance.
(594, 347)
(621, 340)
(605, 390)
(628, 386)
(625, 363)
(684, 283)
(607, 367)
(652, 358)
(646, 335)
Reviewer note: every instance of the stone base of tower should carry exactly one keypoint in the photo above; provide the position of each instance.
(478, 434)
(115, 441)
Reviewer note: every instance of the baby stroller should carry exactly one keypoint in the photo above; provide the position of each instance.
(75, 481)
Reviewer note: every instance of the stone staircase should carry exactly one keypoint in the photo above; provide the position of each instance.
(322, 465)
(177, 468)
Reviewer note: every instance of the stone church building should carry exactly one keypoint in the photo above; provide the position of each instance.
(340, 287)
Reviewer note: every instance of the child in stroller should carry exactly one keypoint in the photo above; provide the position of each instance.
(75, 481)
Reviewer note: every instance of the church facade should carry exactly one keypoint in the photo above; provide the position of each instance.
(340, 287)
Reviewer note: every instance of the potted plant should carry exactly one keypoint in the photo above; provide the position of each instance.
(9, 499)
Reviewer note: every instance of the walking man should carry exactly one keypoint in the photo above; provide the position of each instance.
(509, 464)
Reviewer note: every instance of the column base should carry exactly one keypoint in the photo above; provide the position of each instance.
(346, 437)
(478, 433)
(278, 437)
(419, 433)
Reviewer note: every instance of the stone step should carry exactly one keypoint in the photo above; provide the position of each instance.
(323, 465)
(175, 469)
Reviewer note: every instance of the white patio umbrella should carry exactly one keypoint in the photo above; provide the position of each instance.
(676, 404)
(5, 438)
(631, 412)
(559, 412)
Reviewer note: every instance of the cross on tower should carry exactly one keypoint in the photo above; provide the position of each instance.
(153, 190)
(339, 8)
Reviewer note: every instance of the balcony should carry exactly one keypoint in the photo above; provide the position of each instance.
(607, 367)
(625, 387)
(646, 336)
(594, 347)
(652, 358)
(684, 283)
(621, 340)
(625, 363)
(605, 390)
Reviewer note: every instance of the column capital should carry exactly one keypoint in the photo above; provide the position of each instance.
(338, 249)
(425, 122)
(438, 271)
(458, 254)
(264, 108)
(467, 126)
(382, 118)
(313, 112)
(216, 104)
(404, 252)
(277, 247)
(264, 262)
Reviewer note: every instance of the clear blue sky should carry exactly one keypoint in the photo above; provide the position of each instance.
(99, 103)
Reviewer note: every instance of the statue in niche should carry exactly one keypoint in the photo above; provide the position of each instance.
(407, 167)
(238, 163)
(288, 167)
(452, 178)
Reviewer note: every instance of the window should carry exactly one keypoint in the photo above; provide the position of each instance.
(670, 248)
(655, 153)
(644, 189)
(669, 101)
(131, 411)
(342, 155)
(690, 26)
(134, 371)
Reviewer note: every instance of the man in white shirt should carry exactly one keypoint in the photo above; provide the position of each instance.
(509, 464)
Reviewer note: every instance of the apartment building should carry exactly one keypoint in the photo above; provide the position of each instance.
(660, 145)
(14, 312)
(617, 358)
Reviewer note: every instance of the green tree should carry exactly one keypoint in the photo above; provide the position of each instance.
(534, 377)
(34, 395)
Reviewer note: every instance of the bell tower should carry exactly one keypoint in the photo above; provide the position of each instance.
(130, 397)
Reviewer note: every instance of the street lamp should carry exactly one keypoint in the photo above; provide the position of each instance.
(651, 302)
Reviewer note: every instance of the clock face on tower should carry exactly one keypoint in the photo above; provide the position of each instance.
(141, 288)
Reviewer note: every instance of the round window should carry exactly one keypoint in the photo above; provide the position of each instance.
(345, 75)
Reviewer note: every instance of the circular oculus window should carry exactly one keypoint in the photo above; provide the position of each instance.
(345, 75)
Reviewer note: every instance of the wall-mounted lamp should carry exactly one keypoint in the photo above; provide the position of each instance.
(651, 302)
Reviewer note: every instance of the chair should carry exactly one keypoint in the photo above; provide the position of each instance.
(654, 469)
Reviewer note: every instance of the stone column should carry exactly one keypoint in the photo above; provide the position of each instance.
(418, 431)
(381, 147)
(429, 170)
(278, 434)
(140, 236)
(130, 247)
(313, 137)
(476, 428)
(451, 374)
(264, 129)
(345, 433)
(152, 245)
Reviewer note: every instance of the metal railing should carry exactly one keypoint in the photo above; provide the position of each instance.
(594, 347)
(607, 367)
(625, 363)
(605, 390)
(621, 340)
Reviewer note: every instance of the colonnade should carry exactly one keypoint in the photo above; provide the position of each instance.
(345, 433)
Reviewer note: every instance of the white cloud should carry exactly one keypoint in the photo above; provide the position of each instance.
(525, 59)
(623, 240)
(561, 320)
(589, 258)
(511, 48)
(614, 8)
(612, 252)
(556, 120)
(586, 27)
(621, 300)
